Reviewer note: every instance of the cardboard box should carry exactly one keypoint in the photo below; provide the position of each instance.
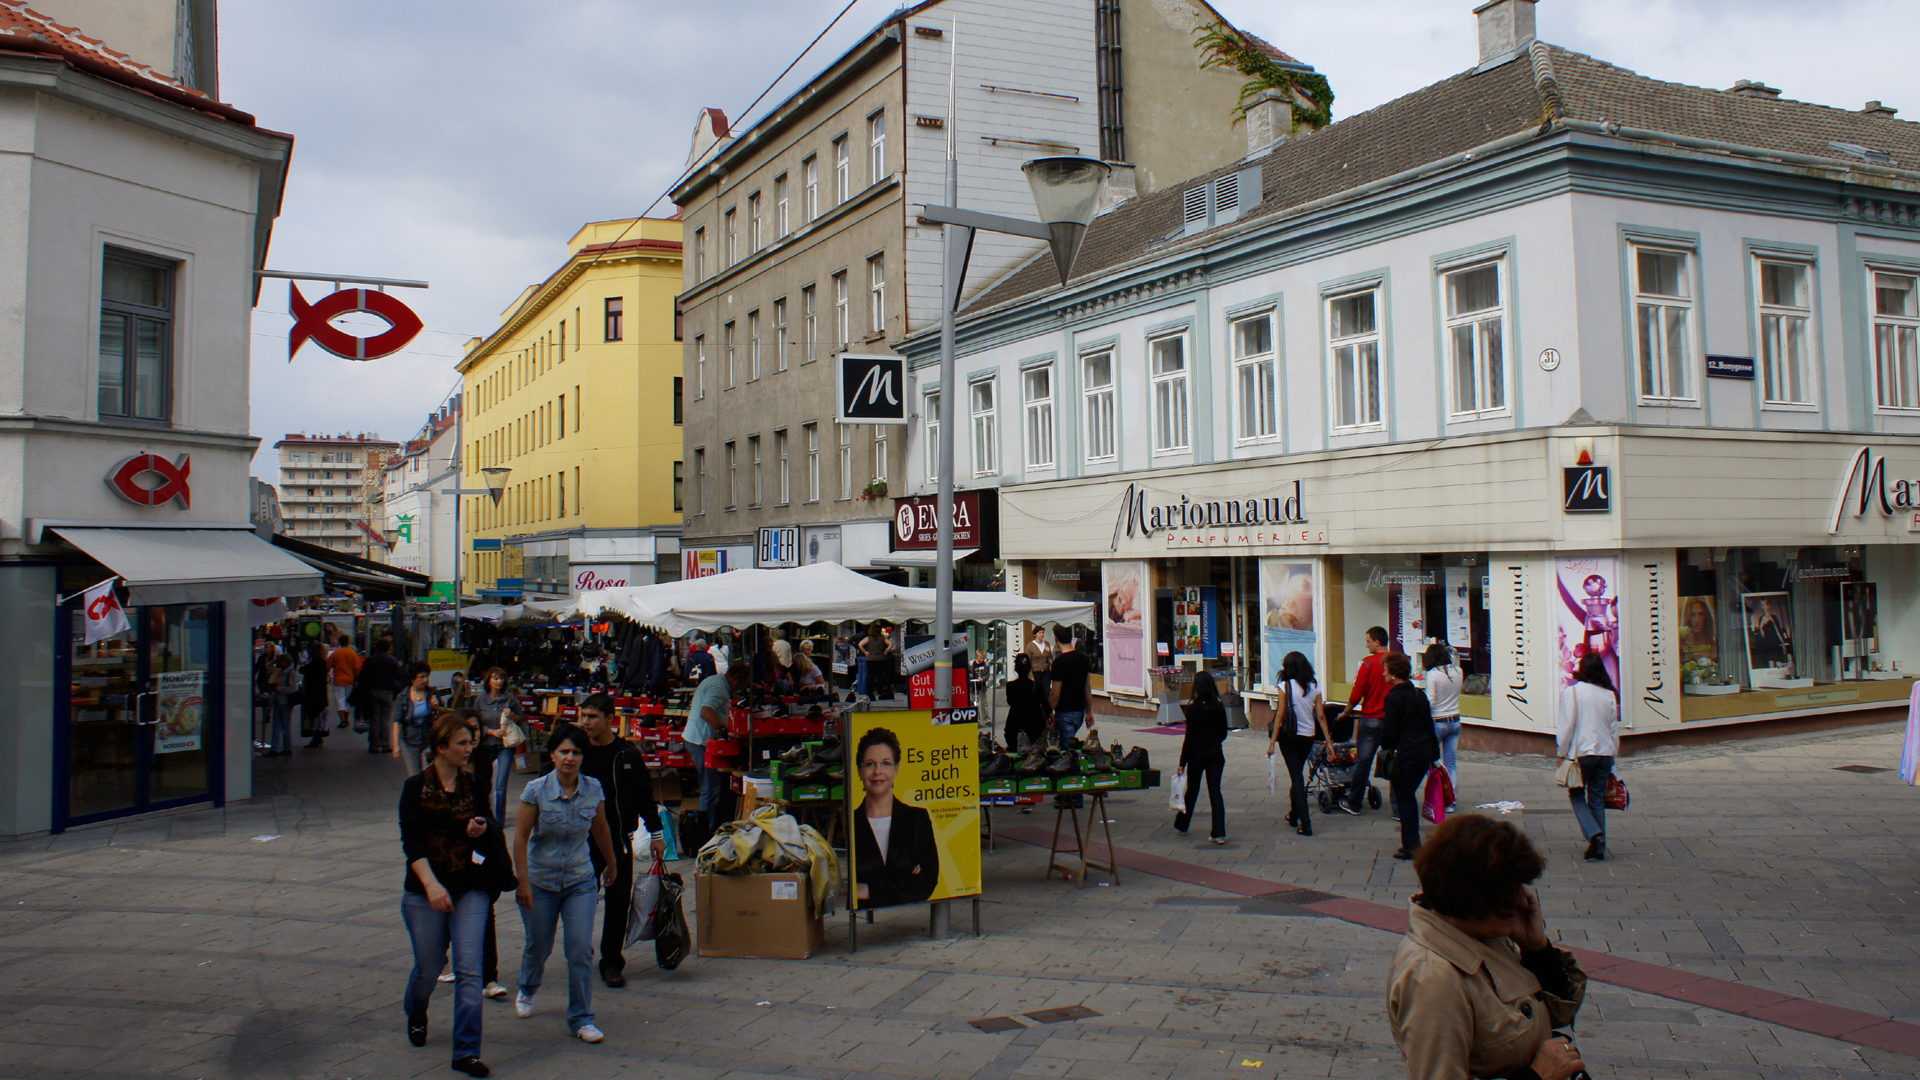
(765, 916)
(998, 785)
(1035, 784)
(1129, 778)
(1106, 781)
(1072, 783)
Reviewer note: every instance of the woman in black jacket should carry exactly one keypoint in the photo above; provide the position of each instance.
(896, 859)
(1407, 730)
(1202, 755)
(313, 695)
(1026, 717)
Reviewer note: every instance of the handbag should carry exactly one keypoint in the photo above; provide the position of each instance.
(1439, 794)
(511, 734)
(1617, 797)
(1384, 762)
(670, 936)
(496, 874)
(1563, 774)
(643, 903)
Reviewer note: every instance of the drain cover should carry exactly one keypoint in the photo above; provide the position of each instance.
(995, 1024)
(1055, 1016)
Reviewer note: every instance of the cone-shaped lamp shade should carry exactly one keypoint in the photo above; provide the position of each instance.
(1066, 191)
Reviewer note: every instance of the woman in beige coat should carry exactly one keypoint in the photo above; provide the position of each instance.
(1476, 987)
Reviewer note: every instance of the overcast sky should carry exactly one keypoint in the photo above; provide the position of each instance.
(463, 142)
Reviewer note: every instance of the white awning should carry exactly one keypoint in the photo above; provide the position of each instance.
(189, 566)
(925, 560)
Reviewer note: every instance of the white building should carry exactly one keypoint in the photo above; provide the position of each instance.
(1544, 359)
(420, 523)
(327, 485)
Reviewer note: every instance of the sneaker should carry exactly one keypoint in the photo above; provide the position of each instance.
(1346, 807)
(587, 1033)
(523, 1005)
(1218, 839)
(494, 990)
(447, 975)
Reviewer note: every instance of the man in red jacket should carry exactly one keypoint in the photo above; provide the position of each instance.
(1367, 705)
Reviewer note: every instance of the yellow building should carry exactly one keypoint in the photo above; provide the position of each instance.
(577, 396)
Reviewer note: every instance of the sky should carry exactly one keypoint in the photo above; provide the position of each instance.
(462, 142)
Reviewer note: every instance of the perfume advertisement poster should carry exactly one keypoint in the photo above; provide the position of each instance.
(1286, 616)
(1123, 588)
(1860, 617)
(1587, 614)
(1769, 621)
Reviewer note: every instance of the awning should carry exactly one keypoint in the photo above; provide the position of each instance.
(190, 566)
(924, 560)
(375, 581)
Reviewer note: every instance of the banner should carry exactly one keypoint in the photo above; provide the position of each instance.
(1459, 609)
(1286, 617)
(179, 711)
(1587, 615)
(913, 799)
(1522, 685)
(1769, 622)
(264, 611)
(1128, 601)
(105, 617)
(916, 662)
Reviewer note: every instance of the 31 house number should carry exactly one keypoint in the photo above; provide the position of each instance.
(1549, 359)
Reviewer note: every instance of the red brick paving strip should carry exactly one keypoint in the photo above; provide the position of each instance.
(1722, 995)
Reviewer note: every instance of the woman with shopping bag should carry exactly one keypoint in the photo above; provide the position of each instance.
(1588, 741)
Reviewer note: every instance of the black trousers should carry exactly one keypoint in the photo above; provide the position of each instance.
(616, 901)
(1209, 771)
(1294, 750)
(1407, 776)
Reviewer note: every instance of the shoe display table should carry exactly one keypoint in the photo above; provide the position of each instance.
(1065, 812)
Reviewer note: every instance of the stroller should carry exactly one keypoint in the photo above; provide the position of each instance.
(1329, 774)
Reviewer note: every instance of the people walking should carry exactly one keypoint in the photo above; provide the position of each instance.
(1367, 704)
(622, 772)
(1443, 681)
(498, 707)
(1202, 753)
(1406, 729)
(1589, 733)
(1068, 698)
(562, 823)
(1477, 987)
(381, 677)
(1301, 716)
(315, 701)
(443, 825)
(1026, 717)
(344, 663)
(285, 684)
(412, 718)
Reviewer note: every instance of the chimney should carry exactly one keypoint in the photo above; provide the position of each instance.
(1505, 26)
(1874, 108)
(1755, 89)
(1269, 121)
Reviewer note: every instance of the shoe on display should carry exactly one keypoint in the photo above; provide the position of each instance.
(1066, 764)
(1031, 764)
(997, 765)
(1022, 742)
(796, 755)
(523, 1005)
(831, 751)
(494, 990)
(1096, 760)
(1135, 759)
(813, 768)
(587, 1033)
(472, 1066)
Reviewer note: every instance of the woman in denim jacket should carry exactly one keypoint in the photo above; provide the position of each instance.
(559, 813)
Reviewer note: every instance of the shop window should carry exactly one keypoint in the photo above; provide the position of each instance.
(136, 337)
(1353, 344)
(1169, 373)
(1896, 323)
(1663, 320)
(1096, 376)
(1476, 340)
(930, 413)
(1036, 388)
(1786, 339)
(983, 402)
(1255, 380)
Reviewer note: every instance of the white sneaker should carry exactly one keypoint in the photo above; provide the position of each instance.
(447, 975)
(494, 990)
(523, 1005)
(589, 1034)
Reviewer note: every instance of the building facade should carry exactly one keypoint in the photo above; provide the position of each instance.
(803, 241)
(328, 484)
(1633, 382)
(575, 404)
(418, 521)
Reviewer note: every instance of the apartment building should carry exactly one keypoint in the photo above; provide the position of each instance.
(416, 520)
(329, 485)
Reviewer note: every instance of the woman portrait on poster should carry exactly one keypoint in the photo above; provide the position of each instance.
(1699, 637)
(1770, 633)
(896, 859)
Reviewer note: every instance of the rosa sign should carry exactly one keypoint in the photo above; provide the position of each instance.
(587, 581)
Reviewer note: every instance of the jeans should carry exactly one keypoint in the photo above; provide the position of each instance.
(573, 907)
(713, 791)
(1366, 737)
(282, 723)
(464, 928)
(414, 758)
(1067, 725)
(1294, 750)
(502, 770)
(1448, 732)
(1406, 800)
(1590, 798)
(1210, 772)
(613, 932)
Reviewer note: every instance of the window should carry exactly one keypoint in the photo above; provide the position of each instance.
(616, 318)
(700, 253)
(811, 326)
(733, 475)
(842, 170)
(876, 147)
(1786, 313)
(753, 223)
(813, 462)
(877, 294)
(679, 481)
(679, 405)
(1663, 311)
(562, 352)
(1353, 342)
(930, 412)
(136, 337)
(881, 457)
(726, 344)
(1036, 390)
(753, 345)
(1476, 340)
(842, 327)
(1896, 323)
(810, 194)
(577, 508)
(780, 334)
(784, 479)
(1096, 370)
(1255, 385)
(986, 440)
(560, 489)
(753, 459)
(731, 232)
(699, 366)
(561, 427)
(1169, 362)
(846, 460)
(782, 217)
(700, 480)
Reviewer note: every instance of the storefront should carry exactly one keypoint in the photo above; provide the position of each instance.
(1722, 577)
(556, 566)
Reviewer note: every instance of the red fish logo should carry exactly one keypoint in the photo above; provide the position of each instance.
(315, 322)
(125, 479)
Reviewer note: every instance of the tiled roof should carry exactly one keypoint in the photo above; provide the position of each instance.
(23, 29)
(1267, 48)
(1469, 110)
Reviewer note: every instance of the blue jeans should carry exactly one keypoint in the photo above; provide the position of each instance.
(502, 769)
(1066, 725)
(465, 928)
(572, 906)
(713, 792)
(1366, 738)
(282, 724)
(1448, 732)
(1590, 798)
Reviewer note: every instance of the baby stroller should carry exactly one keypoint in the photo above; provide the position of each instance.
(1329, 774)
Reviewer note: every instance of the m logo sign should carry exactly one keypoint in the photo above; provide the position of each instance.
(873, 389)
(1586, 490)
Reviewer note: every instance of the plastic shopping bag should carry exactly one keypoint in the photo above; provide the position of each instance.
(1177, 791)
(1269, 774)
(1439, 795)
(670, 937)
(645, 900)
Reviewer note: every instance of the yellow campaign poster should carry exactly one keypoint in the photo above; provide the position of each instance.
(914, 802)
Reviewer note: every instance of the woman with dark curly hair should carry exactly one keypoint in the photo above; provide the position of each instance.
(1477, 987)
(895, 857)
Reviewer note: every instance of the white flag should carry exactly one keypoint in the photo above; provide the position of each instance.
(266, 611)
(105, 617)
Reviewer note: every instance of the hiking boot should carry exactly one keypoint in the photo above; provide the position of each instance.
(1136, 759)
(1066, 764)
(997, 765)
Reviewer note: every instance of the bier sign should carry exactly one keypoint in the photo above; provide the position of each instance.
(873, 389)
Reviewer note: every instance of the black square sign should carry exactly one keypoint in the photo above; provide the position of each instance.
(873, 389)
(1586, 490)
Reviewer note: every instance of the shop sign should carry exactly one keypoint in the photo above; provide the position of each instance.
(124, 479)
(1586, 489)
(1866, 472)
(1822, 573)
(779, 548)
(1141, 517)
(1380, 577)
(916, 522)
(314, 322)
(822, 545)
(180, 711)
(1730, 367)
(589, 579)
(486, 544)
(873, 389)
(703, 562)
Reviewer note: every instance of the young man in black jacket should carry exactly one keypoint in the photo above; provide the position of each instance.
(623, 776)
(381, 677)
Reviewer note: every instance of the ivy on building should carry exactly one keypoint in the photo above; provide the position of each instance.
(1221, 46)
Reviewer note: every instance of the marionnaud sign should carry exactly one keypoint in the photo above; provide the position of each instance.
(1257, 522)
(1864, 480)
(873, 389)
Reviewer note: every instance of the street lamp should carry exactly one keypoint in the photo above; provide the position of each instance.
(496, 478)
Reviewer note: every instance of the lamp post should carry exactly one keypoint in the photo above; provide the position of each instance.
(496, 485)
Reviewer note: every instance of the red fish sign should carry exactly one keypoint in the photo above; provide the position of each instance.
(125, 479)
(315, 322)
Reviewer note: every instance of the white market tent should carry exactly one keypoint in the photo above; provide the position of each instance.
(531, 613)
(823, 592)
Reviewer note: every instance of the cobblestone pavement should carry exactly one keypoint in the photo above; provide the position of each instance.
(264, 940)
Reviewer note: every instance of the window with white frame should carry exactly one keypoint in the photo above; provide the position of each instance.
(753, 345)
(1096, 379)
(842, 322)
(1167, 357)
(784, 479)
(876, 147)
(1786, 337)
(842, 170)
(930, 424)
(813, 462)
(1255, 380)
(1663, 323)
(730, 233)
(810, 321)
(810, 189)
(1476, 339)
(700, 254)
(1353, 348)
(733, 475)
(699, 481)
(726, 343)
(882, 446)
(846, 460)
(782, 212)
(982, 402)
(1896, 350)
(699, 366)
(753, 223)
(1036, 393)
(780, 334)
(753, 462)
(877, 294)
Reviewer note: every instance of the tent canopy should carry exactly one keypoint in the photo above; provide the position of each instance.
(824, 591)
(531, 613)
